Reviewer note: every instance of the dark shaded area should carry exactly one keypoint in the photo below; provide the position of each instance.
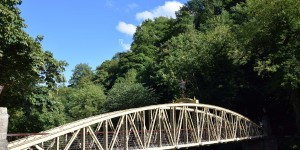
(256, 144)
(267, 143)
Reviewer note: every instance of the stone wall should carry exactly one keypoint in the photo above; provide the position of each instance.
(3, 128)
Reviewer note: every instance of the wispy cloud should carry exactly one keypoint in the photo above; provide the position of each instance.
(167, 10)
(109, 3)
(128, 29)
(132, 6)
(126, 46)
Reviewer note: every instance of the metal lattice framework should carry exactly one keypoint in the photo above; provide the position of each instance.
(166, 126)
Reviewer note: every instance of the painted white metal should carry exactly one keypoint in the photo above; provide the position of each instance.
(166, 126)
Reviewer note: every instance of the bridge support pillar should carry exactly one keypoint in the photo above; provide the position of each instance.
(3, 128)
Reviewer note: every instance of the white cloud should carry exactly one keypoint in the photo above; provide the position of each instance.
(144, 15)
(167, 10)
(125, 46)
(128, 29)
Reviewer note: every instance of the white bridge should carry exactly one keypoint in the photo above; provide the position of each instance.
(166, 126)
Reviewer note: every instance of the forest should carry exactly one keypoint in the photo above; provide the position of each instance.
(243, 55)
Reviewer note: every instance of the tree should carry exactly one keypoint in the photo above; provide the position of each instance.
(203, 10)
(183, 22)
(82, 101)
(133, 60)
(51, 73)
(25, 70)
(81, 72)
(150, 35)
(11, 24)
(269, 44)
(130, 77)
(107, 73)
(201, 60)
(129, 95)
(148, 38)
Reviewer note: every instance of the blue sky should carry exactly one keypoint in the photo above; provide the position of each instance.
(90, 31)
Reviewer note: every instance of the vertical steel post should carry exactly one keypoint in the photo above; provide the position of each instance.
(83, 139)
(105, 132)
(125, 131)
(159, 128)
(66, 139)
(202, 124)
(173, 124)
(221, 125)
(57, 143)
(143, 123)
(197, 124)
(236, 126)
(185, 123)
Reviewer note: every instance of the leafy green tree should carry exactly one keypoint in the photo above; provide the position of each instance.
(107, 73)
(127, 95)
(11, 25)
(148, 38)
(23, 63)
(200, 59)
(147, 41)
(25, 71)
(45, 112)
(150, 35)
(130, 77)
(82, 101)
(41, 112)
(183, 22)
(269, 44)
(203, 10)
(82, 72)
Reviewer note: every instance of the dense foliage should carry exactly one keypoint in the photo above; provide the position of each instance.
(129, 95)
(81, 101)
(240, 54)
(28, 75)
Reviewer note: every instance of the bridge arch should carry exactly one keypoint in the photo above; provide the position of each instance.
(165, 126)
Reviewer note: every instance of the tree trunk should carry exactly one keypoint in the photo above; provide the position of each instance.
(295, 101)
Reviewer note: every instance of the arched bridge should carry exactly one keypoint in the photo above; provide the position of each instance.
(166, 126)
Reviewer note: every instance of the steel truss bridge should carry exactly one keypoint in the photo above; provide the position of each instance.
(166, 126)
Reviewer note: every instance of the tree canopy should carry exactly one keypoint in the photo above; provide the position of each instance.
(239, 54)
(28, 73)
(81, 73)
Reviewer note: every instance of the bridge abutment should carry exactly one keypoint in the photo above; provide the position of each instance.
(3, 128)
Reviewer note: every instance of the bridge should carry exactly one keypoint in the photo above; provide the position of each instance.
(166, 126)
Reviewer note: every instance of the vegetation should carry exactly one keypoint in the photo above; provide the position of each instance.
(240, 54)
(28, 75)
